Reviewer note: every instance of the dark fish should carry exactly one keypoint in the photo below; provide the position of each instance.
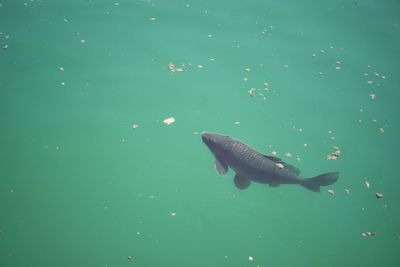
(251, 165)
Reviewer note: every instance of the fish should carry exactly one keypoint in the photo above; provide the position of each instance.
(250, 165)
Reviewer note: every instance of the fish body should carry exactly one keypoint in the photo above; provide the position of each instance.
(250, 165)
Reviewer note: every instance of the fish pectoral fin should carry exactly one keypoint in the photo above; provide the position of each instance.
(221, 167)
(274, 184)
(241, 182)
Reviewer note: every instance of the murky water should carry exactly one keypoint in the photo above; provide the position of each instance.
(80, 186)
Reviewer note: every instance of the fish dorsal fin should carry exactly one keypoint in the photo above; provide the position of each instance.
(274, 159)
(221, 167)
(285, 165)
(292, 168)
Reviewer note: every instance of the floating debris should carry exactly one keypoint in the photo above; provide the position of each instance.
(288, 154)
(372, 96)
(252, 92)
(331, 192)
(237, 122)
(5, 46)
(367, 184)
(172, 68)
(135, 126)
(381, 130)
(130, 258)
(274, 153)
(367, 234)
(370, 82)
(173, 213)
(279, 165)
(61, 68)
(251, 258)
(152, 19)
(247, 69)
(200, 66)
(347, 191)
(378, 195)
(335, 154)
(195, 133)
(83, 41)
(169, 121)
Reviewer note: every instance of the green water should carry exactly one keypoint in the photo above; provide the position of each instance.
(80, 187)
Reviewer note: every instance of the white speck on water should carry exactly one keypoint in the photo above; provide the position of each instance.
(367, 184)
(252, 92)
(279, 165)
(169, 121)
(251, 258)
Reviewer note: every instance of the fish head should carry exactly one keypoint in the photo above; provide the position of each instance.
(217, 143)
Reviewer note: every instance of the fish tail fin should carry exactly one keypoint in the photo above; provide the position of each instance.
(314, 183)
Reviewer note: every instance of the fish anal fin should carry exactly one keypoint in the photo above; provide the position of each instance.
(241, 182)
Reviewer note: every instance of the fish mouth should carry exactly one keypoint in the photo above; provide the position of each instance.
(206, 136)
